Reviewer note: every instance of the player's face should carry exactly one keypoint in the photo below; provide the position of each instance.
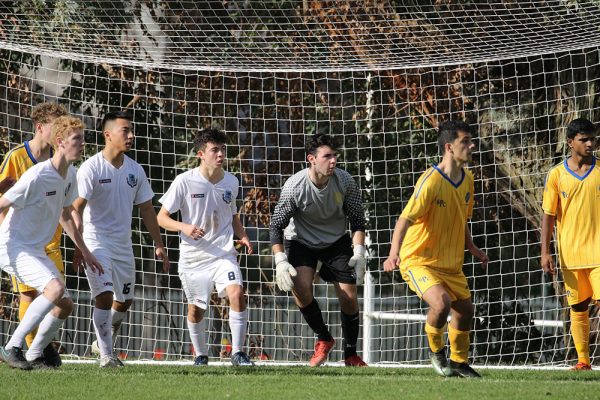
(324, 161)
(462, 147)
(213, 155)
(583, 144)
(119, 135)
(45, 131)
(72, 146)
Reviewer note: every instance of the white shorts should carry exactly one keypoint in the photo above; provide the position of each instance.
(198, 283)
(118, 276)
(33, 269)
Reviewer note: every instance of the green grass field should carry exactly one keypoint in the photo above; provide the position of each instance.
(86, 381)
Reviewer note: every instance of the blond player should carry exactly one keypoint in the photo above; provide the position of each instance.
(38, 201)
(428, 244)
(16, 162)
(572, 195)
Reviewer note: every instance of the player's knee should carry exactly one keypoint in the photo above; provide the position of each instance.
(104, 300)
(122, 306)
(237, 299)
(54, 290)
(66, 305)
(441, 306)
(195, 313)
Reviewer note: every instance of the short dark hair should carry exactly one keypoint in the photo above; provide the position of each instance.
(448, 132)
(317, 140)
(112, 116)
(580, 125)
(205, 136)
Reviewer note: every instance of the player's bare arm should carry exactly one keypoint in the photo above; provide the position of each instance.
(474, 250)
(393, 260)
(78, 207)
(6, 184)
(166, 222)
(151, 223)
(240, 232)
(68, 224)
(547, 262)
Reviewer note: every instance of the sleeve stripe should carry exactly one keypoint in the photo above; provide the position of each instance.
(7, 157)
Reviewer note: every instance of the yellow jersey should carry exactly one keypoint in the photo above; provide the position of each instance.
(575, 202)
(438, 209)
(16, 162)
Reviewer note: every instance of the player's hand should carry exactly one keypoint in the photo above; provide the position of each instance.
(480, 255)
(6, 184)
(284, 271)
(391, 263)
(92, 263)
(359, 263)
(548, 264)
(161, 254)
(78, 261)
(193, 231)
(246, 243)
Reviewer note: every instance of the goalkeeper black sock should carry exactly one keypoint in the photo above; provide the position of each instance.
(350, 326)
(314, 318)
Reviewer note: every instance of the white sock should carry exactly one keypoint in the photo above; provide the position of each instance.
(47, 330)
(198, 337)
(102, 326)
(117, 317)
(237, 324)
(35, 314)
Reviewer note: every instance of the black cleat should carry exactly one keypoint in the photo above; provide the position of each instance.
(39, 363)
(439, 362)
(14, 358)
(201, 361)
(241, 359)
(51, 357)
(463, 370)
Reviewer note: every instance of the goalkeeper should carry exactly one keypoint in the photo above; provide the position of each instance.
(315, 207)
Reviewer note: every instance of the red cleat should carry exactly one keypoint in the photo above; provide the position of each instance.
(581, 366)
(355, 361)
(322, 349)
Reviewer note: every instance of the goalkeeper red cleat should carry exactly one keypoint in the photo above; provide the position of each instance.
(322, 349)
(354, 361)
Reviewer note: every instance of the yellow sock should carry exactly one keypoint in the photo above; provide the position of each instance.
(23, 306)
(435, 337)
(580, 330)
(459, 345)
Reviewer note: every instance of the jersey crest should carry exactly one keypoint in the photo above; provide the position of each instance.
(131, 180)
(227, 196)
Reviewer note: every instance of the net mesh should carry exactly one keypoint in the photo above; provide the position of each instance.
(379, 76)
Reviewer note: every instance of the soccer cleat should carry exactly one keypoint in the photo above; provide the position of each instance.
(354, 361)
(581, 366)
(51, 357)
(14, 358)
(439, 362)
(322, 349)
(241, 359)
(110, 362)
(463, 370)
(201, 361)
(94, 349)
(39, 363)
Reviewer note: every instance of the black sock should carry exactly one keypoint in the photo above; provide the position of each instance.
(350, 326)
(314, 318)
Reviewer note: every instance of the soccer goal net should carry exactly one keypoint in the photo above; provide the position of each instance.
(377, 75)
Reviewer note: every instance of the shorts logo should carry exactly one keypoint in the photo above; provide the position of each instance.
(441, 203)
(104, 180)
(565, 195)
(52, 193)
(197, 195)
(200, 301)
(467, 197)
(131, 180)
(227, 196)
(68, 188)
(569, 294)
(423, 279)
(108, 284)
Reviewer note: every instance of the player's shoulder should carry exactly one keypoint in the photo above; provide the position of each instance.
(91, 162)
(469, 177)
(16, 155)
(296, 180)
(230, 178)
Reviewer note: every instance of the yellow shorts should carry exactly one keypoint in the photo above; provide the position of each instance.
(421, 278)
(581, 284)
(56, 257)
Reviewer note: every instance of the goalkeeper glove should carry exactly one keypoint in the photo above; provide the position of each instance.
(359, 262)
(284, 271)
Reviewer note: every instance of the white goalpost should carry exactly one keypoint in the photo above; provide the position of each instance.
(377, 75)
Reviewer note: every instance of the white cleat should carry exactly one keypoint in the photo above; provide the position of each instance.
(110, 362)
(94, 349)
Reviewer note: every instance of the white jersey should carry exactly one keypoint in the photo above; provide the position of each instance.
(208, 206)
(38, 198)
(111, 194)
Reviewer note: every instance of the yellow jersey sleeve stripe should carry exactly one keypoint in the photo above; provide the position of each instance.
(9, 155)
